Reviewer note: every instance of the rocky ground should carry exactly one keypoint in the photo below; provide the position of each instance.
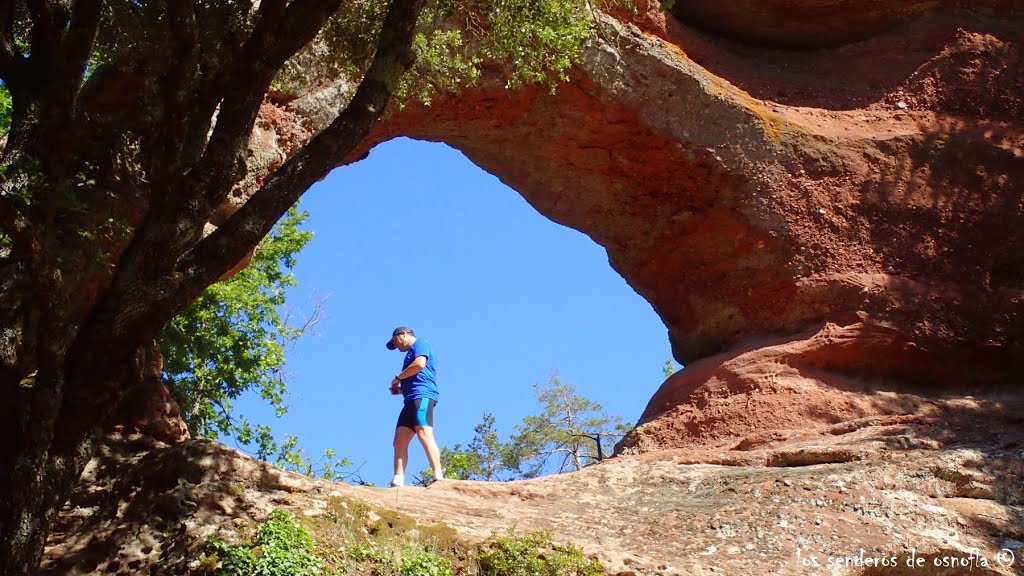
(945, 484)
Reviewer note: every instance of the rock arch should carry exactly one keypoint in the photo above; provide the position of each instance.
(865, 201)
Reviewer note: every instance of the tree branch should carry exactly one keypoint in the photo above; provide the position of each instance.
(144, 297)
(288, 340)
(61, 43)
(247, 83)
(176, 220)
(81, 34)
(45, 35)
(176, 87)
(184, 60)
(10, 57)
(278, 35)
(218, 251)
(48, 85)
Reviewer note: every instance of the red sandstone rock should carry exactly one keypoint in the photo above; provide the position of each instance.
(149, 408)
(809, 24)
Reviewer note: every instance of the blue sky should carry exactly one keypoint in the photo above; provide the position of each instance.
(417, 235)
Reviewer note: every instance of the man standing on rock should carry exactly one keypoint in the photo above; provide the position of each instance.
(416, 383)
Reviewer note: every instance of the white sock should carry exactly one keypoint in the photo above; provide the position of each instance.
(438, 475)
(398, 480)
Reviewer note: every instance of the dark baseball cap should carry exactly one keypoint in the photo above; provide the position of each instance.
(399, 330)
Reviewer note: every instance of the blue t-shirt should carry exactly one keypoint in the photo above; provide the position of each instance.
(423, 384)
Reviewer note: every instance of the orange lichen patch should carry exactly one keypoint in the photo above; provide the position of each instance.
(718, 86)
(671, 46)
(773, 123)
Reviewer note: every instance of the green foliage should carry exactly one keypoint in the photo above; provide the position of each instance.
(540, 38)
(343, 47)
(669, 368)
(426, 564)
(486, 457)
(529, 40)
(534, 555)
(382, 542)
(329, 466)
(341, 544)
(566, 433)
(459, 463)
(283, 547)
(667, 5)
(6, 108)
(233, 559)
(491, 454)
(443, 64)
(287, 547)
(533, 41)
(365, 552)
(233, 340)
(563, 437)
(135, 35)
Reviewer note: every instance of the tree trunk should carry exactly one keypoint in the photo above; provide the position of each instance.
(48, 442)
(104, 215)
(36, 485)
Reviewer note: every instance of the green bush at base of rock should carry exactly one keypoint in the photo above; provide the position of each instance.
(353, 540)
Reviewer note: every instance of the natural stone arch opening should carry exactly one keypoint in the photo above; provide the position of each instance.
(752, 208)
(644, 197)
(481, 345)
(826, 190)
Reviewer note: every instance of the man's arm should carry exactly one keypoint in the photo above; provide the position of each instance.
(411, 370)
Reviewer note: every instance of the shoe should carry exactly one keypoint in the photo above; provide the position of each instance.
(396, 482)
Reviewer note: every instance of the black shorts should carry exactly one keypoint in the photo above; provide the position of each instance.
(418, 412)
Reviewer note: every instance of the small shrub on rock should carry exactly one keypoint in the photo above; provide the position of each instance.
(534, 555)
(426, 564)
(283, 547)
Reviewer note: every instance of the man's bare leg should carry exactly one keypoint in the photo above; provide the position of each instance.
(403, 436)
(426, 437)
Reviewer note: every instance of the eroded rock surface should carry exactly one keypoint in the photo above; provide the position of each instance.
(149, 409)
(946, 483)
